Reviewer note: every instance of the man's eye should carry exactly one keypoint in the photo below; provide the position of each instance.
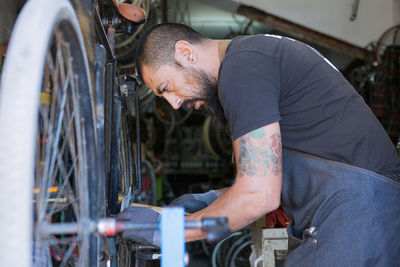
(165, 89)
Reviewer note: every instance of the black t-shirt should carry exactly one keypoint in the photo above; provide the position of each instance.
(269, 78)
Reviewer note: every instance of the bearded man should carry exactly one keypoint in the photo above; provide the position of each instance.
(337, 177)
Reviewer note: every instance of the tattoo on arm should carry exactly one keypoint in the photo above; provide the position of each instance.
(257, 159)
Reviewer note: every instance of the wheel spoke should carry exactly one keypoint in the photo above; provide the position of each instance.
(71, 201)
(52, 148)
(48, 122)
(58, 130)
(61, 192)
(69, 252)
(79, 172)
(54, 241)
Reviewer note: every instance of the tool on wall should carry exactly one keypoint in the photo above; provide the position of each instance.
(354, 10)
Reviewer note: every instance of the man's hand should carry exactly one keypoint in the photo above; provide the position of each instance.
(141, 215)
(195, 202)
(190, 202)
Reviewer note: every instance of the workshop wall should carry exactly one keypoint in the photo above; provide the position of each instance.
(218, 19)
(215, 19)
(333, 17)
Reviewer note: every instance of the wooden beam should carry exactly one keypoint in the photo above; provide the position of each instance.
(304, 33)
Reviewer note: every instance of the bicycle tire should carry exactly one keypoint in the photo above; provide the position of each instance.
(41, 26)
(382, 43)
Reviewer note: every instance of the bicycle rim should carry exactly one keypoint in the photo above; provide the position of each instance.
(61, 171)
(48, 134)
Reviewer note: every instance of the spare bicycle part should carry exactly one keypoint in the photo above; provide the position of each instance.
(216, 141)
(124, 40)
(123, 17)
(354, 10)
(167, 115)
(390, 38)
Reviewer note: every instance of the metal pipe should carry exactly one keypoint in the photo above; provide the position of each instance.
(139, 150)
(99, 181)
(126, 226)
(45, 229)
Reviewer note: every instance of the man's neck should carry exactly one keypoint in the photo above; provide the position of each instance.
(222, 46)
(212, 53)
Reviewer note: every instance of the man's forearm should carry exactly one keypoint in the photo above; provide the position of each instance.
(240, 211)
(221, 191)
(258, 186)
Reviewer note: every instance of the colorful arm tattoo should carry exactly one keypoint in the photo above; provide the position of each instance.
(258, 154)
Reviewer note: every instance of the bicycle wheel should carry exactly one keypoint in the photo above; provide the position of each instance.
(390, 38)
(47, 142)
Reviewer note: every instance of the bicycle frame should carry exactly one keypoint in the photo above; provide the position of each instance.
(109, 105)
(100, 32)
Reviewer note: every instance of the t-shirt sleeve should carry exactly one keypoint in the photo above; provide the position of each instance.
(249, 89)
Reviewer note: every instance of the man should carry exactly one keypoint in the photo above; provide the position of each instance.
(275, 92)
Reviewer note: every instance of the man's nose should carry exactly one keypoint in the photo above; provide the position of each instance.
(173, 100)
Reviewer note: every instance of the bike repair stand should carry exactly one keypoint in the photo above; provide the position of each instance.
(173, 237)
(172, 229)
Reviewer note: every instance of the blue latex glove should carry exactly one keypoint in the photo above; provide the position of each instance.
(141, 215)
(195, 202)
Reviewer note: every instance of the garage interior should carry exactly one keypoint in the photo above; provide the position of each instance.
(170, 152)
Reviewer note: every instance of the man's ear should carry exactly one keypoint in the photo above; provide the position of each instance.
(184, 52)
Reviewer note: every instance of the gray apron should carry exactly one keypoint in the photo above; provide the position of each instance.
(342, 215)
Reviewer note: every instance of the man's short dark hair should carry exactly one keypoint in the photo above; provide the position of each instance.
(156, 46)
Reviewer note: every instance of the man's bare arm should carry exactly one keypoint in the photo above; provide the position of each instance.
(221, 191)
(257, 189)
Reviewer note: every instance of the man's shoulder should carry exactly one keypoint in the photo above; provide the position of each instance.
(248, 59)
(249, 43)
(265, 44)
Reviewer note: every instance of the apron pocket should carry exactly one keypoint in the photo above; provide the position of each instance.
(295, 233)
(298, 229)
(301, 251)
(293, 243)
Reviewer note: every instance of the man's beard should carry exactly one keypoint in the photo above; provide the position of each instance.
(208, 92)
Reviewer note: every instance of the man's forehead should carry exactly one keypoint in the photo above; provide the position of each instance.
(156, 77)
(150, 76)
